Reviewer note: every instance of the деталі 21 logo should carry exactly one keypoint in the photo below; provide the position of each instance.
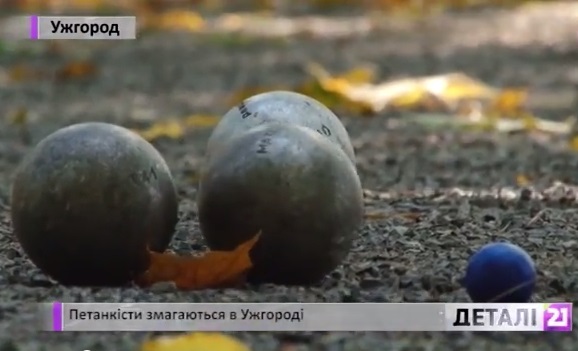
(558, 317)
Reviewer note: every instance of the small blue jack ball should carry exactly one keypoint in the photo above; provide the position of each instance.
(501, 273)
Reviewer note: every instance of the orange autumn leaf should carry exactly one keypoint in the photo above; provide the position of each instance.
(510, 102)
(201, 121)
(171, 129)
(19, 117)
(195, 342)
(178, 20)
(75, 70)
(522, 180)
(573, 143)
(364, 74)
(21, 73)
(215, 269)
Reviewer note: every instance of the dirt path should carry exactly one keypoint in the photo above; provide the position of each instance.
(393, 260)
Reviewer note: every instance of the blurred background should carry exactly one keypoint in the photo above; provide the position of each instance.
(433, 27)
(281, 6)
(506, 66)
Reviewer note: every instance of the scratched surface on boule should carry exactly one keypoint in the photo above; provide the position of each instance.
(392, 260)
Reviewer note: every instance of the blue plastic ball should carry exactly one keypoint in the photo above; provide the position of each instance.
(501, 273)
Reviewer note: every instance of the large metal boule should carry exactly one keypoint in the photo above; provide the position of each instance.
(294, 186)
(282, 107)
(89, 200)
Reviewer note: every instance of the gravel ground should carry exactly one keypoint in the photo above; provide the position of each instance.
(459, 188)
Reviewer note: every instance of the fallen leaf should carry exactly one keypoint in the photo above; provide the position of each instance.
(178, 20)
(522, 180)
(201, 121)
(21, 73)
(403, 93)
(455, 93)
(359, 75)
(573, 144)
(76, 70)
(175, 128)
(341, 91)
(87, 5)
(59, 6)
(171, 129)
(377, 214)
(457, 86)
(20, 120)
(215, 269)
(333, 84)
(477, 104)
(530, 121)
(509, 103)
(410, 99)
(195, 342)
(19, 117)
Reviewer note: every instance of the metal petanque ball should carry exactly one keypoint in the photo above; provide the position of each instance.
(500, 272)
(294, 186)
(89, 200)
(282, 107)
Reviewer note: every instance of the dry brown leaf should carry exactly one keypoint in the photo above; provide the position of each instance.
(175, 128)
(509, 102)
(457, 86)
(171, 129)
(76, 5)
(179, 20)
(440, 91)
(215, 269)
(338, 91)
(410, 99)
(522, 180)
(334, 100)
(531, 122)
(22, 73)
(20, 120)
(88, 5)
(328, 82)
(377, 214)
(573, 144)
(76, 70)
(19, 117)
(411, 216)
(359, 75)
(201, 121)
(195, 342)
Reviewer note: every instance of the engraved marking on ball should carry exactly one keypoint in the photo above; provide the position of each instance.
(245, 113)
(263, 146)
(144, 176)
(324, 130)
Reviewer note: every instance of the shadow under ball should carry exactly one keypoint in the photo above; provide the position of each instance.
(88, 200)
(297, 188)
(280, 107)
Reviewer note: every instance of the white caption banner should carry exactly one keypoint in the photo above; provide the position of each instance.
(305, 317)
